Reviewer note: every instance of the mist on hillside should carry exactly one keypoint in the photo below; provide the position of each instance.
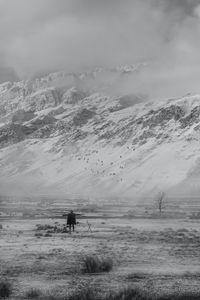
(39, 36)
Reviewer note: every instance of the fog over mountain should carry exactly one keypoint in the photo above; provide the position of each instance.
(74, 35)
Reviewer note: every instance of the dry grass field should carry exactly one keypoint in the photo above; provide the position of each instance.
(159, 255)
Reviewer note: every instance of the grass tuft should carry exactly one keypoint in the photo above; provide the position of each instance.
(95, 264)
(83, 294)
(140, 294)
(128, 294)
(33, 294)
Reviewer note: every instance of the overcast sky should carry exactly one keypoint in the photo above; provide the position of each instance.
(39, 35)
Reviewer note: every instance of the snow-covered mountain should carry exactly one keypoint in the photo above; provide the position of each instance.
(59, 135)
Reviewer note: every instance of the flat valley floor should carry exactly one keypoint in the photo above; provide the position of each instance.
(158, 253)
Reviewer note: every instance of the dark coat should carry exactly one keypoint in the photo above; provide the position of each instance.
(71, 219)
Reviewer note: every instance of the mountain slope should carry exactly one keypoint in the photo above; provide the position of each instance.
(57, 138)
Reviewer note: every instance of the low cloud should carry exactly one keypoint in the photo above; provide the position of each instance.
(42, 35)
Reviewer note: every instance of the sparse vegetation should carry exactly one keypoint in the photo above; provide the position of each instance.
(140, 294)
(5, 289)
(96, 264)
(84, 294)
(80, 265)
(33, 294)
(129, 293)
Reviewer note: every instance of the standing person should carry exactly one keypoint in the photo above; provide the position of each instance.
(71, 220)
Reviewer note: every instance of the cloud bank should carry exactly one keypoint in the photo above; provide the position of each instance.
(42, 35)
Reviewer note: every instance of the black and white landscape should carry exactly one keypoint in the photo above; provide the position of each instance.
(100, 114)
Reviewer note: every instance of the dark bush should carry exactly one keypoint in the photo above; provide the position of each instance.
(5, 289)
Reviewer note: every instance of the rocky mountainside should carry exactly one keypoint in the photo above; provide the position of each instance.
(58, 134)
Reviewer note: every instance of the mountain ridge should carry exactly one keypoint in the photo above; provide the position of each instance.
(64, 138)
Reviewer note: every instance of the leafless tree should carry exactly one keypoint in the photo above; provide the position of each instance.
(160, 202)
